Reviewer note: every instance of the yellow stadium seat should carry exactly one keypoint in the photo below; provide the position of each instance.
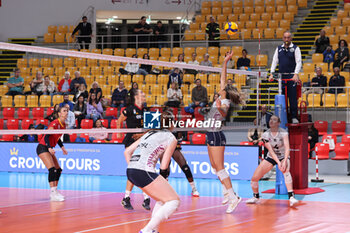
(224, 49)
(163, 59)
(20, 101)
(250, 24)
(317, 57)
(129, 52)
(97, 51)
(261, 60)
(265, 16)
(288, 16)
(206, 4)
(243, 17)
(68, 61)
(141, 52)
(151, 79)
(3, 90)
(84, 50)
(45, 62)
(346, 75)
(177, 51)
(249, 3)
(270, 9)
(59, 71)
(173, 59)
(6, 101)
(238, 10)
(200, 18)
(335, 22)
(280, 2)
(342, 14)
(163, 79)
(346, 21)
(101, 80)
(216, 4)
(200, 35)
(188, 78)
(259, 9)
(194, 26)
(248, 9)
(308, 67)
(329, 100)
(277, 16)
(238, 3)
(153, 52)
(227, 11)
(119, 52)
(165, 52)
(347, 7)
(216, 11)
(340, 30)
(314, 100)
(302, 3)
(200, 51)
(108, 70)
(252, 60)
(269, 33)
(33, 62)
(259, 3)
(189, 50)
(205, 11)
(237, 50)
(304, 77)
(343, 100)
(261, 25)
(48, 71)
(81, 61)
(329, 30)
(246, 33)
(56, 99)
(52, 29)
(69, 38)
(45, 101)
(227, 4)
(232, 18)
(256, 32)
(138, 78)
(91, 62)
(32, 101)
(203, 26)
(214, 78)
(213, 51)
(281, 9)
(57, 62)
(96, 71)
(221, 18)
(59, 38)
(23, 62)
(273, 24)
(333, 39)
(255, 17)
(293, 9)
(107, 51)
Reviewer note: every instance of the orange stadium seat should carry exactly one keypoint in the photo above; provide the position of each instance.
(59, 38)
(237, 10)
(52, 29)
(265, 16)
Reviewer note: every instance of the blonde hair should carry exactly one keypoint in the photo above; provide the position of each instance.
(233, 94)
(92, 85)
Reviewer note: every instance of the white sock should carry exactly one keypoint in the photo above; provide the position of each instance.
(162, 214)
(231, 194)
(145, 196)
(193, 186)
(156, 207)
(127, 193)
(53, 189)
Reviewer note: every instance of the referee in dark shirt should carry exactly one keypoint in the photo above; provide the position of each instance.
(85, 32)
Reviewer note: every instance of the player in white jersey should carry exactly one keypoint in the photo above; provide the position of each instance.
(142, 157)
(216, 140)
(277, 142)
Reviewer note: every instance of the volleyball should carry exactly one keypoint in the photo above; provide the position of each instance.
(231, 28)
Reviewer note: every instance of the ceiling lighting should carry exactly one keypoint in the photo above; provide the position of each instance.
(115, 16)
(178, 17)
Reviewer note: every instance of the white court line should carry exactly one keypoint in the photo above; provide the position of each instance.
(141, 220)
(44, 201)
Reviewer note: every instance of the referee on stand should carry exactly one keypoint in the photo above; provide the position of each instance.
(288, 56)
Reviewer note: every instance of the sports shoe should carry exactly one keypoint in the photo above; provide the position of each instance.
(232, 204)
(195, 193)
(55, 197)
(295, 121)
(126, 203)
(252, 200)
(153, 231)
(146, 203)
(60, 195)
(226, 199)
(293, 201)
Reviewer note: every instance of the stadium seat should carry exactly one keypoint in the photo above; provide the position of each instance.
(56, 99)
(7, 138)
(86, 124)
(26, 123)
(227, 4)
(335, 22)
(261, 24)
(340, 30)
(317, 57)
(199, 138)
(346, 138)
(273, 24)
(308, 67)
(216, 11)
(270, 9)
(45, 101)
(20, 101)
(314, 100)
(248, 9)
(261, 60)
(237, 10)
(293, 9)
(8, 113)
(255, 17)
(341, 151)
(238, 3)
(322, 127)
(226, 11)
(48, 38)
(322, 150)
(12, 124)
(200, 35)
(60, 37)
(342, 100)
(302, 3)
(38, 113)
(42, 121)
(329, 100)
(338, 127)
(6, 101)
(23, 113)
(205, 11)
(1, 123)
(112, 112)
(115, 138)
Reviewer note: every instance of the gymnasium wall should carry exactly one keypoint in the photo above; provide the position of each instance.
(30, 18)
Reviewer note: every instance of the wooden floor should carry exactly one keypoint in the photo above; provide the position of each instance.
(28, 210)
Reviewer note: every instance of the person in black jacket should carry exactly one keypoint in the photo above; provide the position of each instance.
(322, 42)
(341, 54)
(336, 81)
(213, 31)
(160, 38)
(243, 61)
(85, 32)
(312, 137)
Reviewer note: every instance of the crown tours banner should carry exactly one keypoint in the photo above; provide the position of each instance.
(108, 159)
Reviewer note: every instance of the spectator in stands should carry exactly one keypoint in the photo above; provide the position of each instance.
(206, 62)
(319, 83)
(192, 62)
(243, 62)
(15, 84)
(85, 33)
(143, 30)
(160, 37)
(312, 137)
(47, 87)
(341, 54)
(75, 83)
(264, 118)
(119, 96)
(145, 69)
(328, 55)
(95, 88)
(81, 92)
(288, 57)
(199, 95)
(35, 83)
(98, 136)
(64, 84)
(174, 95)
(213, 31)
(29, 137)
(70, 121)
(321, 42)
(80, 110)
(94, 108)
(66, 101)
(255, 134)
(54, 114)
(175, 77)
(181, 60)
(336, 81)
(130, 68)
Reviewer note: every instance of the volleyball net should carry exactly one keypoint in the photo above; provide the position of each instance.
(110, 67)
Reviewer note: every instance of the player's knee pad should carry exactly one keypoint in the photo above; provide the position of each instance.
(52, 174)
(59, 172)
(222, 174)
(288, 178)
(171, 206)
(186, 169)
(254, 184)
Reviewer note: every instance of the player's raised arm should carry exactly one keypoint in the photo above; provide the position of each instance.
(224, 70)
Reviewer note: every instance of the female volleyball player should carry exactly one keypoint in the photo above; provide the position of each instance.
(46, 152)
(215, 137)
(142, 157)
(133, 115)
(277, 142)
